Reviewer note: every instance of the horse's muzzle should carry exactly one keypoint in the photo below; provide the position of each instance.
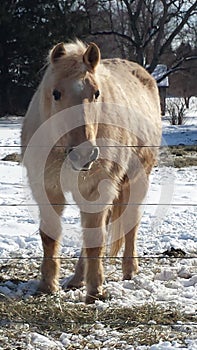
(82, 158)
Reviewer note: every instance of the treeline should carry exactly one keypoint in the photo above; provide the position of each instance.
(28, 29)
(147, 31)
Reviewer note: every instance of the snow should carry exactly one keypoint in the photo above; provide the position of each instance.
(158, 72)
(180, 135)
(172, 223)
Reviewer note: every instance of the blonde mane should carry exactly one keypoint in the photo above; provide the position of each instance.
(70, 63)
(74, 48)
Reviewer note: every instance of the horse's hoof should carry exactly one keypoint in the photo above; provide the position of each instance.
(90, 299)
(71, 283)
(71, 286)
(46, 288)
(129, 276)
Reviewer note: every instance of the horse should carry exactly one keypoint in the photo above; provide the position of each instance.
(92, 128)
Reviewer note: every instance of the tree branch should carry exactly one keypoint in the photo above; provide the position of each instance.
(176, 67)
(132, 20)
(113, 32)
(178, 28)
(159, 37)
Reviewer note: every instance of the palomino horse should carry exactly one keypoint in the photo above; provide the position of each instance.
(92, 128)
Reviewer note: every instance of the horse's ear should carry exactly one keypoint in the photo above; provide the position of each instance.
(57, 51)
(92, 56)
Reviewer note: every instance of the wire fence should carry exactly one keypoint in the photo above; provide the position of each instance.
(164, 255)
(150, 204)
(108, 257)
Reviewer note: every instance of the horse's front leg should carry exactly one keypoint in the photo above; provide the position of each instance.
(94, 226)
(50, 265)
(50, 232)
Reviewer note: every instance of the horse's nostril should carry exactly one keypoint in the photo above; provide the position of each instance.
(95, 153)
(73, 155)
(82, 158)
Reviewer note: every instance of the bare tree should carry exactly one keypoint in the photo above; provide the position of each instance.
(146, 28)
(176, 110)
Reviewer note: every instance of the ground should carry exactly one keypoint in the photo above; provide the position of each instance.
(154, 311)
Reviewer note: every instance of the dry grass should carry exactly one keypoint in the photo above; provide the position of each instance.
(178, 156)
(52, 315)
(61, 314)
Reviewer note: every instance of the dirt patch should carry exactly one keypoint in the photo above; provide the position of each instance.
(176, 253)
(13, 157)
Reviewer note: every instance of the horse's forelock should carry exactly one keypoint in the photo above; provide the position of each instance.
(71, 62)
(70, 49)
(75, 48)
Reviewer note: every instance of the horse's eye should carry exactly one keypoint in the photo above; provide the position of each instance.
(56, 95)
(97, 94)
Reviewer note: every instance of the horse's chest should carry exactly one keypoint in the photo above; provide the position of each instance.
(92, 187)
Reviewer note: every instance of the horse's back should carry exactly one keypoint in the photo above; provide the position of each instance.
(128, 84)
(129, 71)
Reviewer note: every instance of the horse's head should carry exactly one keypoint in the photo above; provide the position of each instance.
(72, 82)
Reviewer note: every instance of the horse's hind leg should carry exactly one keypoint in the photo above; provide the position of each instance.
(131, 220)
(50, 232)
(130, 260)
(125, 229)
(77, 279)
